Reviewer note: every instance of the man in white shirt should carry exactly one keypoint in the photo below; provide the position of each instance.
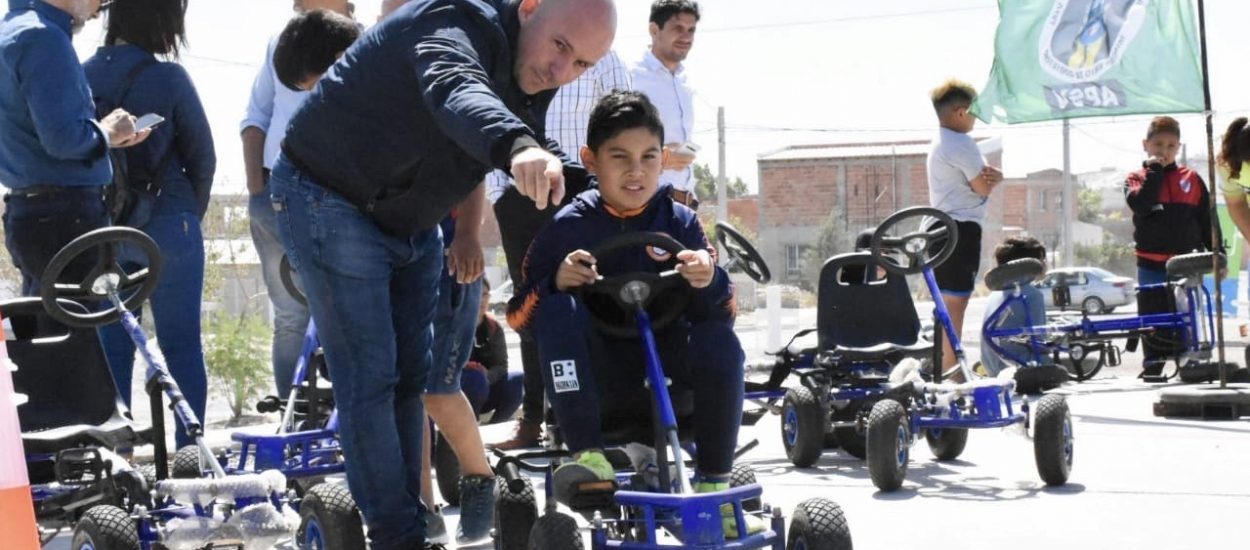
(661, 75)
(519, 221)
(264, 125)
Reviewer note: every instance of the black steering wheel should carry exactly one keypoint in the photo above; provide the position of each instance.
(612, 300)
(287, 274)
(914, 238)
(741, 254)
(106, 275)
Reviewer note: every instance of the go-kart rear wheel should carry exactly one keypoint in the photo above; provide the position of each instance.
(447, 470)
(743, 474)
(803, 424)
(555, 531)
(186, 463)
(105, 527)
(515, 514)
(818, 524)
(330, 520)
(1052, 439)
(853, 441)
(889, 444)
(946, 443)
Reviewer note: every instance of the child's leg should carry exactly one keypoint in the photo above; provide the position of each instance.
(505, 397)
(561, 329)
(715, 360)
(476, 389)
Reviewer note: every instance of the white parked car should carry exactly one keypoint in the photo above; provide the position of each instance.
(1094, 290)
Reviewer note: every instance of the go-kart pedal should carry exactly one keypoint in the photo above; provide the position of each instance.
(586, 484)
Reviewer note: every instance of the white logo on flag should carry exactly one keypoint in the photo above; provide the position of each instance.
(564, 376)
(1083, 39)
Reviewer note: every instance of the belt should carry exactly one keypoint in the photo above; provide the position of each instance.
(684, 197)
(37, 190)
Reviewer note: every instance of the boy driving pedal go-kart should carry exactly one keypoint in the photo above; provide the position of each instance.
(594, 369)
(621, 311)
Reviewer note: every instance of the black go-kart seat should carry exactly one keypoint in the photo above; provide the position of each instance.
(72, 399)
(865, 317)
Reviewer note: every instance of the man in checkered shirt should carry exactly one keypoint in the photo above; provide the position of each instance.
(519, 220)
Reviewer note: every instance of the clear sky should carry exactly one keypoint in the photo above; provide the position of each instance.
(846, 70)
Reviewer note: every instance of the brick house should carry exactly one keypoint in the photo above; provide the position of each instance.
(859, 183)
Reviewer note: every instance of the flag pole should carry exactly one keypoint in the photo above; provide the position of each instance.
(1216, 240)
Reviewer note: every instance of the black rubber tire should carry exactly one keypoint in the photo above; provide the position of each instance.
(889, 450)
(852, 441)
(1035, 380)
(105, 527)
(1052, 439)
(819, 524)
(948, 444)
(1093, 305)
(186, 463)
(831, 440)
(1024, 270)
(148, 472)
(810, 422)
(1196, 263)
(744, 474)
(338, 519)
(447, 470)
(515, 514)
(555, 531)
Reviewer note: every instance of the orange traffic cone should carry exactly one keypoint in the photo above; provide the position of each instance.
(17, 514)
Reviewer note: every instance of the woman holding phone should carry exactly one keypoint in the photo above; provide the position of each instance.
(136, 68)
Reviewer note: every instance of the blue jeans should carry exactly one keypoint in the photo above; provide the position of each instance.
(36, 227)
(455, 321)
(588, 376)
(290, 318)
(176, 312)
(502, 398)
(373, 298)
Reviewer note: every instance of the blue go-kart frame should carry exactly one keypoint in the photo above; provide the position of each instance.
(634, 516)
(149, 515)
(856, 399)
(1192, 318)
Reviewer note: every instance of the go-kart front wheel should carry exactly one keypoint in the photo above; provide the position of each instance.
(946, 443)
(105, 527)
(1052, 439)
(555, 531)
(741, 475)
(803, 426)
(515, 514)
(818, 524)
(186, 463)
(330, 520)
(889, 444)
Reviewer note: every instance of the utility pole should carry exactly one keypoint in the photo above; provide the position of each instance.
(1066, 213)
(722, 193)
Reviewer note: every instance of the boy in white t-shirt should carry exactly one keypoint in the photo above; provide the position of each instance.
(960, 183)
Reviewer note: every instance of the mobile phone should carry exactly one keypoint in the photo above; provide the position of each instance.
(688, 148)
(150, 120)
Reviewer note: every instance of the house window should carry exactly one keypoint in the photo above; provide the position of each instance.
(1042, 199)
(794, 257)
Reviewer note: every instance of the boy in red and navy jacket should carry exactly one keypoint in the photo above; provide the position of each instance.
(588, 373)
(1171, 214)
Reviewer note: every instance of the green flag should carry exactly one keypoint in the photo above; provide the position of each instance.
(1056, 59)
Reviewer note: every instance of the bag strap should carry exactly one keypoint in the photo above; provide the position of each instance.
(153, 186)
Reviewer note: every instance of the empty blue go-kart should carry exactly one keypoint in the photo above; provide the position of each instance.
(652, 509)
(75, 421)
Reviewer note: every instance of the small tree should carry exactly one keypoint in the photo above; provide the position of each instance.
(236, 344)
(1089, 203)
(830, 239)
(705, 185)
